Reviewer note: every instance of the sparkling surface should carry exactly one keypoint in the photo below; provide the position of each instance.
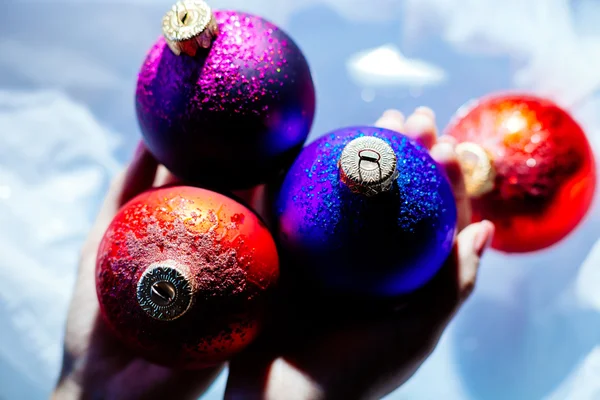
(545, 173)
(523, 319)
(240, 110)
(388, 244)
(226, 251)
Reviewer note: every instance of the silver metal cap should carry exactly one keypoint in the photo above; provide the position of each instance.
(189, 25)
(164, 292)
(368, 166)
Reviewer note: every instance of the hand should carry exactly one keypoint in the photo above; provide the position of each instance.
(95, 364)
(309, 354)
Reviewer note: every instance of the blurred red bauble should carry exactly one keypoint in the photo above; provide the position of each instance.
(183, 276)
(528, 167)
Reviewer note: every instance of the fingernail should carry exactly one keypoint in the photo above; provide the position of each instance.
(394, 114)
(442, 152)
(447, 139)
(425, 111)
(483, 238)
(420, 123)
(391, 119)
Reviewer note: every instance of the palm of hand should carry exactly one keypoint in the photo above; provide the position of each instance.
(95, 363)
(304, 357)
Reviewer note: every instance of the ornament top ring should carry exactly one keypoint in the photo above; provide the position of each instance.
(164, 292)
(368, 166)
(477, 167)
(189, 25)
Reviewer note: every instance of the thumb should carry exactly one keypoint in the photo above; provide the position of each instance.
(444, 295)
(471, 243)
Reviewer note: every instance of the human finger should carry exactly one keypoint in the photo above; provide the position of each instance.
(444, 154)
(421, 127)
(392, 120)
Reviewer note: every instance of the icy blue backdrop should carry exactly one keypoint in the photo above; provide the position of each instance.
(67, 72)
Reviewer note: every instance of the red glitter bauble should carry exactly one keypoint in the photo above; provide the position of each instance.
(183, 276)
(542, 176)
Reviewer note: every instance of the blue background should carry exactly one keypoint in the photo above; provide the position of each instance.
(67, 75)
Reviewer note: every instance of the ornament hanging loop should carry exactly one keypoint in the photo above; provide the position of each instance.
(188, 26)
(477, 168)
(163, 293)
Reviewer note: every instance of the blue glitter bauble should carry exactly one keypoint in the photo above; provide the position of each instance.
(384, 245)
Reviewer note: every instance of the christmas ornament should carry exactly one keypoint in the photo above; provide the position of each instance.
(528, 168)
(365, 211)
(226, 92)
(183, 275)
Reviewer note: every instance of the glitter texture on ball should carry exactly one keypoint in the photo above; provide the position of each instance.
(542, 178)
(233, 115)
(385, 241)
(184, 274)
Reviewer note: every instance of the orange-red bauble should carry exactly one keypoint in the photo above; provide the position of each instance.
(183, 276)
(528, 167)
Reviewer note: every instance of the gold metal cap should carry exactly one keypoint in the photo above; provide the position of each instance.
(189, 25)
(477, 167)
(368, 166)
(164, 292)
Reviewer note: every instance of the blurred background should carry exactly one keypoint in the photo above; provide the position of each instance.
(67, 125)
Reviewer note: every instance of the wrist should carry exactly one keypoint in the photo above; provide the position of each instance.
(68, 389)
(73, 386)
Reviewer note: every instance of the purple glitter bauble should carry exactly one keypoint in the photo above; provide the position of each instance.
(232, 116)
(383, 245)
